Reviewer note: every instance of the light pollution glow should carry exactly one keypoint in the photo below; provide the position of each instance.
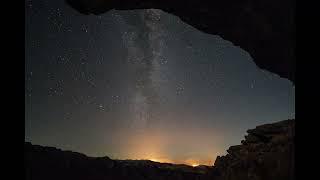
(169, 146)
(223, 93)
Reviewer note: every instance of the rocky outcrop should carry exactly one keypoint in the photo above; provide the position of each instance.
(265, 29)
(266, 153)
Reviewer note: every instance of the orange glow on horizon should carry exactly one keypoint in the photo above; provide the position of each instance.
(160, 160)
(190, 162)
(154, 160)
(157, 146)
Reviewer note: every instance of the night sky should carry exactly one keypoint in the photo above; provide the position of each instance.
(141, 84)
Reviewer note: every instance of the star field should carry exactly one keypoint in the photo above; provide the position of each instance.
(141, 84)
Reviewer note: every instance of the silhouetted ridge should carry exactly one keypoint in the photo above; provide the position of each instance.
(267, 153)
(52, 163)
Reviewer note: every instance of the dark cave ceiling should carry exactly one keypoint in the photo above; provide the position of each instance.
(265, 29)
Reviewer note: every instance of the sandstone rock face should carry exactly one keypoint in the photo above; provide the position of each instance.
(266, 153)
(265, 29)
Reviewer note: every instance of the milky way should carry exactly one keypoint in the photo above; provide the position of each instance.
(141, 84)
(144, 45)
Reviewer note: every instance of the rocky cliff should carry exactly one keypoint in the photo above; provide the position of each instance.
(266, 153)
(265, 29)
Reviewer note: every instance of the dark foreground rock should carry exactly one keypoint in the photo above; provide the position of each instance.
(267, 153)
(48, 163)
(265, 28)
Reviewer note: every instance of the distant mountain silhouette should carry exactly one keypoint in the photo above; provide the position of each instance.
(267, 153)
